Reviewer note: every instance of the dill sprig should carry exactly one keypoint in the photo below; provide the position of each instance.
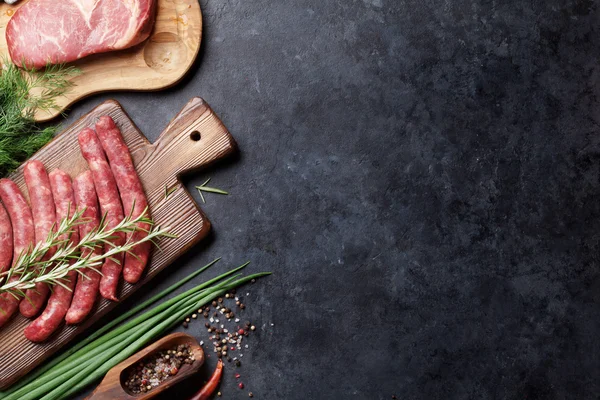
(32, 268)
(22, 92)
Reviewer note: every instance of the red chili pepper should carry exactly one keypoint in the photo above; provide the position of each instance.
(209, 388)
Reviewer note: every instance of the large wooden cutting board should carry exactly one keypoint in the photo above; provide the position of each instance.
(157, 63)
(194, 138)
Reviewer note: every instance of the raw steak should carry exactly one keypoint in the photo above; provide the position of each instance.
(51, 31)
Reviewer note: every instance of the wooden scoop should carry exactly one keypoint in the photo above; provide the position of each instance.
(113, 386)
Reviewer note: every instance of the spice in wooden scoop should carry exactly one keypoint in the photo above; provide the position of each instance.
(157, 368)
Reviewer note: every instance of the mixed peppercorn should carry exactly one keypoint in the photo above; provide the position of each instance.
(225, 329)
(157, 368)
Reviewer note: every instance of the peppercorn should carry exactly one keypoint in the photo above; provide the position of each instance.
(220, 300)
(205, 315)
(214, 303)
(238, 363)
(226, 295)
(185, 324)
(242, 306)
(241, 385)
(207, 325)
(250, 394)
(194, 316)
(237, 303)
(252, 328)
(219, 394)
(253, 280)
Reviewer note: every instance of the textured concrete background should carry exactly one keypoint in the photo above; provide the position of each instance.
(421, 176)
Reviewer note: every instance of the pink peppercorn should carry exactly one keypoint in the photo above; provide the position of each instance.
(241, 385)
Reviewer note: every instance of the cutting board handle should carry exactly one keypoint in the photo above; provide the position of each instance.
(191, 141)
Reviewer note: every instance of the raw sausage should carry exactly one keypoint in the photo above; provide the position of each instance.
(58, 303)
(132, 194)
(6, 240)
(23, 236)
(110, 206)
(87, 286)
(44, 218)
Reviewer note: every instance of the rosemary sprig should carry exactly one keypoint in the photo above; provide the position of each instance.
(169, 192)
(32, 268)
(204, 188)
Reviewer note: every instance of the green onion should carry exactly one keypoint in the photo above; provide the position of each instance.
(110, 325)
(92, 358)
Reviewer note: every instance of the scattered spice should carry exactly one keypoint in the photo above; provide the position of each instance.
(226, 340)
(157, 368)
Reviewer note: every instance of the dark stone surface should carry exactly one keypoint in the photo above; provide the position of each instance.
(421, 176)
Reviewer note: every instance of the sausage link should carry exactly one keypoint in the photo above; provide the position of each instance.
(23, 236)
(6, 240)
(132, 194)
(110, 206)
(60, 299)
(44, 218)
(87, 286)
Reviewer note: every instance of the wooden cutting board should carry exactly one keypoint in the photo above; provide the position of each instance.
(194, 138)
(157, 63)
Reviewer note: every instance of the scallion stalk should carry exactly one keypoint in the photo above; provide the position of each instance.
(93, 357)
(109, 326)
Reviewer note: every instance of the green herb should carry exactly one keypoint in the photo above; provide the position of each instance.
(32, 267)
(22, 92)
(204, 188)
(168, 191)
(79, 368)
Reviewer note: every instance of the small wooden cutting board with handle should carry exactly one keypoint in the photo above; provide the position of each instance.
(194, 138)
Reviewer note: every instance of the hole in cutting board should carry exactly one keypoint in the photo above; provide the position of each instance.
(195, 136)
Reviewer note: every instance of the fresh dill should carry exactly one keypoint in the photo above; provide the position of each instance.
(22, 92)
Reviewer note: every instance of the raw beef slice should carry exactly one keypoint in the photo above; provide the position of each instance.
(51, 31)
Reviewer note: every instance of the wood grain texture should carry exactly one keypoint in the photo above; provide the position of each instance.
(159, 165)
(112, 386)
(157, 63)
